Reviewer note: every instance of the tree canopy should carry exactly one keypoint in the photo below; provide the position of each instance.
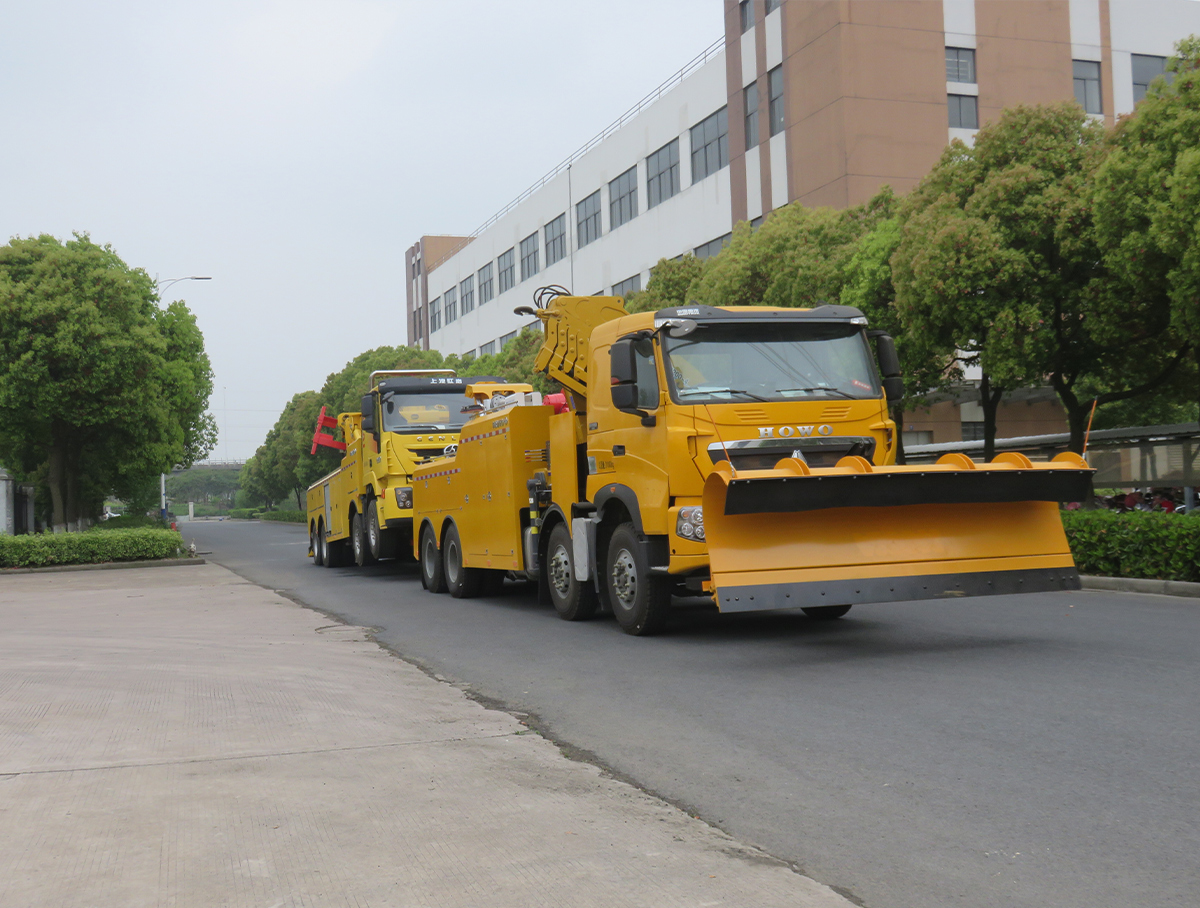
(100, 388)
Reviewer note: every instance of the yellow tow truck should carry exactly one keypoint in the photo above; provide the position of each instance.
(362, 511)
(745, 453)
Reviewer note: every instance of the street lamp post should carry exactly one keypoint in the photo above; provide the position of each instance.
(159, 287)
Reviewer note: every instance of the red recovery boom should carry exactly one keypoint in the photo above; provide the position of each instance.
(326, 422)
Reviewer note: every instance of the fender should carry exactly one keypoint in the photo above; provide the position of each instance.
(626, 496)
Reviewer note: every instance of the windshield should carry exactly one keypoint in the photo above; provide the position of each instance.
(435, 411)
(770, 362)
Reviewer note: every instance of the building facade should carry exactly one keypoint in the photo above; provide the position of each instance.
(820, 102)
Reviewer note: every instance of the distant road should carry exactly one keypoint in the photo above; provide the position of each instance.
(1032, 752)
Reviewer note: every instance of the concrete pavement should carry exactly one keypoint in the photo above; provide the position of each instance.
(183, 737)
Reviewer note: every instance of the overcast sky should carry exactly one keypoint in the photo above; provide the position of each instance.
(293, 149)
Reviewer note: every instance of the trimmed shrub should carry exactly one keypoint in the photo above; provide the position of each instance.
(92, 547)
(1135, 544)
(284, 516)
(243, 513)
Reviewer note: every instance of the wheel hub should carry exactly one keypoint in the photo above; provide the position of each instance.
(624, 578)
(560, 571)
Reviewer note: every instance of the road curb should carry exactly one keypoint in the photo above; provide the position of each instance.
(1134, 585)
(106, 566)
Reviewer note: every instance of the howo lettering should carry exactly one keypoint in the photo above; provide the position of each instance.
(743, 453)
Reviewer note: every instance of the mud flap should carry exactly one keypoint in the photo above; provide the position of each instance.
(795, 537)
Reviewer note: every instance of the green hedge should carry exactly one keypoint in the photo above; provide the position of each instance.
(130, 521)
(1135, 544)
(243, 513)
(284, 516)
(92, 547)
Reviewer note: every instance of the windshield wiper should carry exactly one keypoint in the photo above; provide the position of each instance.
(822, 388)
(419, 428)
(721, 391)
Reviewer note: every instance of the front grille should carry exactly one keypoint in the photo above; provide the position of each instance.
(764, 453)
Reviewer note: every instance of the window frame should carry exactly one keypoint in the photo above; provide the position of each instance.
(466, 295)
(450, 306)
(529, 256)
(1090, 85)
(958, 63)
(954, 103)
(670, 174)
(588, 223)
(629, 285)
(746, 15)
(1136, 60)
(435, 315)
(506, 271)
(556, 242)
(622, 198)
(775, 109)
(713, 153)
(486, 287)
(750, 114)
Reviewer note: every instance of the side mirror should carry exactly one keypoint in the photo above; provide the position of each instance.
(624, 363)
(624, 396)
(368, 413)
(889, 365)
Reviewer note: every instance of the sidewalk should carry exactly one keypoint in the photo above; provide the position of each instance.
(181, 737)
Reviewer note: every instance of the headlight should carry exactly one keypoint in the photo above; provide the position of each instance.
(690, 523)
(404, 498)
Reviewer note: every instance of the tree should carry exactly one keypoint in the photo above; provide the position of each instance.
(97, 383)
(1147, 200)
(999, 261)
(670, 283)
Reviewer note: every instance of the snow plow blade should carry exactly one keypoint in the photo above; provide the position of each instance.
(795, 537)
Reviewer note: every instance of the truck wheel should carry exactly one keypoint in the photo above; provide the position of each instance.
(826, 612)
(572, 599)
(640, 601)
(462, 582)
(433, 577)
(358, 541)
(374, 537)
(316, 542)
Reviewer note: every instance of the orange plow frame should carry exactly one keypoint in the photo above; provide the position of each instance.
(795, 537)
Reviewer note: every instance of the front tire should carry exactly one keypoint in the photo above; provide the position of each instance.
(826, 612)
(433, 575)
(358, 541)
(462, 582)
(640, 601)
(573, 600)
(374, 536)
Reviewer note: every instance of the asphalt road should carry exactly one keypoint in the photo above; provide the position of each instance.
(1008, 751)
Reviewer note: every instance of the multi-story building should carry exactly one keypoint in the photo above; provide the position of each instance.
(820, 102)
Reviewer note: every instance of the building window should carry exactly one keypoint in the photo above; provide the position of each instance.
(917, 437)
(435, 314)
(587, 219)
(486, 289)
(506, 338)
(972, 431)
(507, 269)
(710, 145)
(628, 286)
(1087, 85)
(556, 239)
(960, 64)
(1146, 69)
(466, 295)
(964, 111)
(775, 93)
(451, 305)
(771, 6)
(756, 223)
(488, 348)
(712, 247)
(622, 198)
(662, 174)
(750, 101)
(746, 15)
(529, 256)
